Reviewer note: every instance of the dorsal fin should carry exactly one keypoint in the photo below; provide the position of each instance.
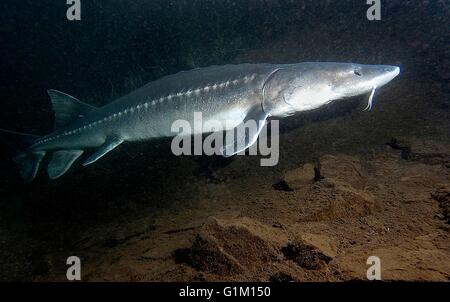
(67, 108)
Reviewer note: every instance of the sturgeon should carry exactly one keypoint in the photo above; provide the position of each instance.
(236, 93)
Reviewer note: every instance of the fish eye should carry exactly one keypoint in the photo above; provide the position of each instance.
(357, 72)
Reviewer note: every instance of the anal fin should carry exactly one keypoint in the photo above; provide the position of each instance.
(109, 145)
(61, 162)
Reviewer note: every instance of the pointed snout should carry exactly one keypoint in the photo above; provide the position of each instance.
(383, 74)
(393, 71)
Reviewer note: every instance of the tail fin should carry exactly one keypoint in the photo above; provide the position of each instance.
(27, 160)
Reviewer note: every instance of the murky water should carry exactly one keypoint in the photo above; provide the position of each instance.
(118, 46)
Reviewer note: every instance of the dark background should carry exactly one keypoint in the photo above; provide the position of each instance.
(119, 45)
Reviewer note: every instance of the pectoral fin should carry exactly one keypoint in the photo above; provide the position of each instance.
(245, 134)
(109, 145)
(61, 162)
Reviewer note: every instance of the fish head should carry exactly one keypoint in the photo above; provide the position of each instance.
(307, 86)
(357, 79)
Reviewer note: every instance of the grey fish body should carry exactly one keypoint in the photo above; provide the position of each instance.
(221, 93)
(229, 95)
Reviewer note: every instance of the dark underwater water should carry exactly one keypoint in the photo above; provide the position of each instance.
(120, 45)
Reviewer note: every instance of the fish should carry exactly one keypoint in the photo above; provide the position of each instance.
(236, 93)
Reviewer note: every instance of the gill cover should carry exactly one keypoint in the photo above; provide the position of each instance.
(273, 102)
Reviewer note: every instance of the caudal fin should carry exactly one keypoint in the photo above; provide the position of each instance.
(27, 160)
